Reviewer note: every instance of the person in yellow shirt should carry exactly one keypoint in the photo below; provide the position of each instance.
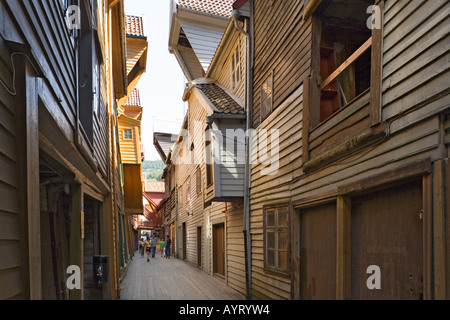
(148, 245)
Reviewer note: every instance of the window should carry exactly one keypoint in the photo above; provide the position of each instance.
(345, 74)
(345, 63)
(276, 239)
(199, 180)
(188, 190)
(127, 134)
(236, 67)
(267, 97)
(209, 158)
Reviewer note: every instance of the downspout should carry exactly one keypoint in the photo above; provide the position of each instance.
(247, 168)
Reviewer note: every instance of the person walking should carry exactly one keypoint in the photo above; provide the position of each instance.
(148, 245)
(168, 244)
(154, 241)
(162, 243)
(141, 246)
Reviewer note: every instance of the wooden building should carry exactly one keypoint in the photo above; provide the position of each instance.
(130, 112)
(63, 69)
(204, 175)
(349, 170)
(358, 93)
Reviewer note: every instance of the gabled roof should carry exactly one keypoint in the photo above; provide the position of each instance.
(221, 100)
(197, 27)
(163, 143)
(222, 8)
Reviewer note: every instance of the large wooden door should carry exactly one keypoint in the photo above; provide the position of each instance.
(318, 252)
(219, 249)
(387, 232)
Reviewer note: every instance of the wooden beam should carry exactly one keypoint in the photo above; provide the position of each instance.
(439, 231)
(76, 241)
(347, 63)
(344, 249)
(310, 8)
(427, 237)
(28, 174)
(376, 74)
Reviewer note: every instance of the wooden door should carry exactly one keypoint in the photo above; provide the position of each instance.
(219, 249)
(387, 232)
(199, 246)
(318, 252)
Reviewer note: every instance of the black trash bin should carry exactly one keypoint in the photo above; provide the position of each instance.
(100, 270)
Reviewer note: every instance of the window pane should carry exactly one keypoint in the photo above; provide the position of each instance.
(271, 258)
(282, 218)
(270, 244)
(282, 260)
(270, 218)
(282, 240)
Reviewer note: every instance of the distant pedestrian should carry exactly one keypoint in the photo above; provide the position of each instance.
(162, 243)
(141, 246)
(168, 245)
(154, 242)
(148, 245)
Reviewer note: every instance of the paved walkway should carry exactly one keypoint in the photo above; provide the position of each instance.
(171, 279)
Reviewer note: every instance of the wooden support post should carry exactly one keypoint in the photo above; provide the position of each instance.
(427, 237)
(76, 240)
(106, 245)
(28, 174)
(439, 231)
(344, 249)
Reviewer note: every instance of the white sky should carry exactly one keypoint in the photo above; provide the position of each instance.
(162, 86)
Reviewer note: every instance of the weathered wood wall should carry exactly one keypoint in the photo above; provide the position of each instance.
(282, 44)
(414, 93)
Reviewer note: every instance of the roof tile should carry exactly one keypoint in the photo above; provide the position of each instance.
(222, 8)
(134, 99)
(220, 99)
(134, 26)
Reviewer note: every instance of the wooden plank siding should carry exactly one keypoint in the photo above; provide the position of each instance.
(415, 92)
(282, 43)
(10, 251)
(50, 40)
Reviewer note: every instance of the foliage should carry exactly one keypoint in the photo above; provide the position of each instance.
(153, 169)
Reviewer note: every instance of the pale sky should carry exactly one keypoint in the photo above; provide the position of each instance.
(162, 86)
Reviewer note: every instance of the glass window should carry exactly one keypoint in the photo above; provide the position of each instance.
(127, 134)
(276, 238)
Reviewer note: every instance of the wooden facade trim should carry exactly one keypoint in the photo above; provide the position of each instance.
(355, 143)
(407, 172)
(344, 248)
(439, 232)
(28, 164)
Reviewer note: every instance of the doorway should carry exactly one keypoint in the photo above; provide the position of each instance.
(219, 250)
(387, 231)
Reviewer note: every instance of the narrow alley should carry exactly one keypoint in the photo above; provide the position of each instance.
(171, 279)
